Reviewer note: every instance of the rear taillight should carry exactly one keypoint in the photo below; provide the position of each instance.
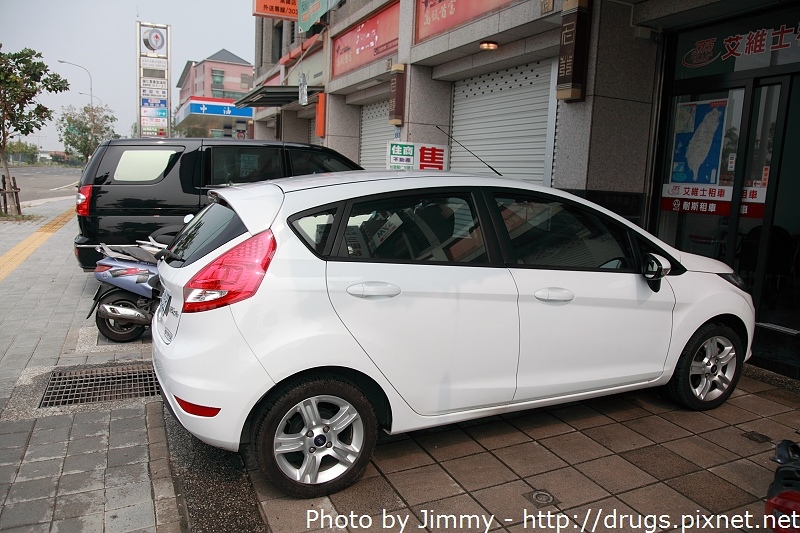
(782, 512)
(82, 200)
(232, 277)
(197, 410)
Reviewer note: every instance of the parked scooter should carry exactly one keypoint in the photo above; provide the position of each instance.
(783, 496)
(128, 294)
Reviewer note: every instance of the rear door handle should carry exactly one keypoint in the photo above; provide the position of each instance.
(373, 289)
(554, 294)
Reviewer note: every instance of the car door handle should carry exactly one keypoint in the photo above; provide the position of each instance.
(373, 289)
(554, 294)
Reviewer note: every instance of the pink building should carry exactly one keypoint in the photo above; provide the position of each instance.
(224, 78)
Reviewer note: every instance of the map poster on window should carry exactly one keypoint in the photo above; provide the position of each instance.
(697, 147)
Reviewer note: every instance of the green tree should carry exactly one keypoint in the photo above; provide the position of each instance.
(22, 79)
(28, 153)
(83, 130)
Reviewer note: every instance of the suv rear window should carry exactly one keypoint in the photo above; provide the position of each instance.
(244, 164)
(132, 164)
(144, 165)
(313, 162)
(214, 226)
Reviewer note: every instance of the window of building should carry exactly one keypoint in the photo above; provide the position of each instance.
(217, 76)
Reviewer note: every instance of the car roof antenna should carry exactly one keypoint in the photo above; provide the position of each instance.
(468, 150)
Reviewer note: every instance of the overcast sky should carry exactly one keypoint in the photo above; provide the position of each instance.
(100, 35)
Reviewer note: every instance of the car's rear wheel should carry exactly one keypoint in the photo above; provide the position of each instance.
(316, 438)
(708, 369)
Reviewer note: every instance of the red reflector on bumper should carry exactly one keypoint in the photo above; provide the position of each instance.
(197, 410)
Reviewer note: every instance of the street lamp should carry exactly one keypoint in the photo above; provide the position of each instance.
(91, 96)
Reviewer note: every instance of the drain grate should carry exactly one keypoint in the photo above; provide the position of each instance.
(102, 384)
(755, 436)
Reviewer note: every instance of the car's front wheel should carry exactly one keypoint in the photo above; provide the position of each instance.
(708, 369)
(316, 438)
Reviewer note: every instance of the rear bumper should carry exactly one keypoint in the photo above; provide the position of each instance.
(85, 253)
(223, 373)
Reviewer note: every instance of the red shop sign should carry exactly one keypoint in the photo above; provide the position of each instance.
(438, 16)
(368, 41)
(696, 205)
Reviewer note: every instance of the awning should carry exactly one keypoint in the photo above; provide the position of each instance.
(274, 96)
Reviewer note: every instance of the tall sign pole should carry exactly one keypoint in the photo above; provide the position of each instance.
(153, 80)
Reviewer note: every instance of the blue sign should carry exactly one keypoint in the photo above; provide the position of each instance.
(220, 110)
(157, 112)
(154, 102)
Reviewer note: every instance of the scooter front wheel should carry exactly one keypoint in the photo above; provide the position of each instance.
(119, 331)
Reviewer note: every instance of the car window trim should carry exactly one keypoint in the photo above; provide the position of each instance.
(508, 249)
(475, 195)
(338, 208)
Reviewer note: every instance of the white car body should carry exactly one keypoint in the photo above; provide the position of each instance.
(443, 343)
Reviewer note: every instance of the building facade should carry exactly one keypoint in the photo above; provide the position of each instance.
(208, 89)
(681, 115)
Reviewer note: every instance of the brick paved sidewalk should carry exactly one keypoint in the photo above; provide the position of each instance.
(100, 466)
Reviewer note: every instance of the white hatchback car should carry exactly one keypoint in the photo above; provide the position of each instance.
(320, 309)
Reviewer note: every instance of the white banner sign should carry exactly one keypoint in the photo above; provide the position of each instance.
(154, 63)
(154, 83)
(154, 93)
(154, 121)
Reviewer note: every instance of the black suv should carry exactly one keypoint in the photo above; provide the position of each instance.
(134, 188)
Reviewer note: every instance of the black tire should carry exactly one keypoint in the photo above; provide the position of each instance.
(112, 329)
(708, 369)
(319, 457)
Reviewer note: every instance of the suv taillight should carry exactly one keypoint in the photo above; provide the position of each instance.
(232, 277)
(82, 199)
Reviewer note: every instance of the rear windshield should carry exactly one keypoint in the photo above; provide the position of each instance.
(137, 164)
(214, 226)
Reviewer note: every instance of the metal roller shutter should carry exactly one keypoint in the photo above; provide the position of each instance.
(506, 118)
(375, 133)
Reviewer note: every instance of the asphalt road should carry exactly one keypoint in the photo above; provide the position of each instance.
(42, 182)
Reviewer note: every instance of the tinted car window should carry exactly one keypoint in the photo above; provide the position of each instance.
(315, 228)
(144, 165)
(214, 226)
(244, 164)
(547, 233)
(312, 162)
(131, 164)
(420, 228)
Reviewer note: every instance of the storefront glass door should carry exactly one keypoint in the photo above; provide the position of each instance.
(731, 192)
(775, 284)
(730, 164)
(699, 187)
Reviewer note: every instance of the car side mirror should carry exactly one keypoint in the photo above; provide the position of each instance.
(654, 268)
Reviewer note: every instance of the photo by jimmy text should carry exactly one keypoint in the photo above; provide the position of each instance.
(587, 522)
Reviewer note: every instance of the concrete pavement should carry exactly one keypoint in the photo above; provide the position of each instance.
(125, 465)
(100, 466)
